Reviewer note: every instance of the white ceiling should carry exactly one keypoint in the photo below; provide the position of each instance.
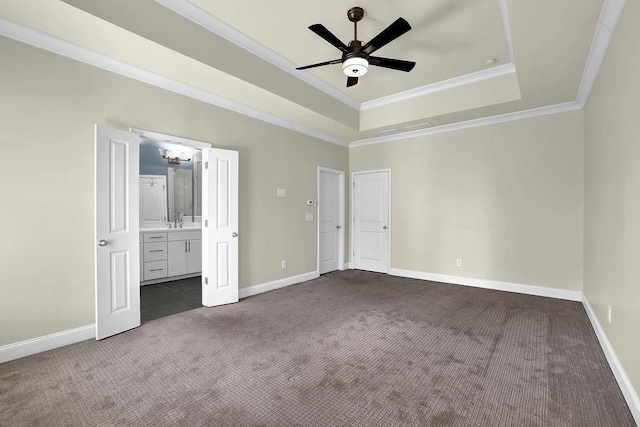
(242, 55)
(449, 38)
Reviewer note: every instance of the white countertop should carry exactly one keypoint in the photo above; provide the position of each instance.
(167, 229)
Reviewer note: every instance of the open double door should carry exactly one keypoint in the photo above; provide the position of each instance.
(117, 229)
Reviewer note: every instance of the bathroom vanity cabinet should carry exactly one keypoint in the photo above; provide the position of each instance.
(184, 253)
(170, 254)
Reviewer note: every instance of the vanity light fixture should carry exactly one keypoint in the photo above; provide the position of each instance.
(173, 157)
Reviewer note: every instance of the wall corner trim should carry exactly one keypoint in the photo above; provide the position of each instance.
(347, 266)
(47, 342)
(629, 393)
(607, 23)
(490, 284)
(277, 284)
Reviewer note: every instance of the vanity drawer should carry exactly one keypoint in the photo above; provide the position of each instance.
(185, 235)
(155, 251)
(155, 270)
(155, 237)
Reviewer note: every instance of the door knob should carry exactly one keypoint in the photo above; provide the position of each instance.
(338, 226)
(102, 243)
(384, 227)
(235, 234)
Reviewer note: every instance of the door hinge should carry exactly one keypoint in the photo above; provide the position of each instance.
(206, 280)
(163, 187)
(354, 185)
(206, 222)
(354, 219)
(354, 253)
(206, 165)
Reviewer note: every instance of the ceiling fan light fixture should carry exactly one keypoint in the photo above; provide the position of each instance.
(355, 67)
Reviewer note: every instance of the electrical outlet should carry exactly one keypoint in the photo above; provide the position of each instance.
(459, 263)
(282, 192)
(284, 264)
(308, 217)
(609, 313)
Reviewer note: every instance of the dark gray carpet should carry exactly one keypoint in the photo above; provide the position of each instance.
(350, 348)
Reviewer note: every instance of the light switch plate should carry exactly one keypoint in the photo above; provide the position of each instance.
(309, 217)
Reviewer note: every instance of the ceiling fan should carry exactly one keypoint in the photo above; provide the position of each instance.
(356, 58)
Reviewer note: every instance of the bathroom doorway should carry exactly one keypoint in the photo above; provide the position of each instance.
(138, 244)
(170, 225)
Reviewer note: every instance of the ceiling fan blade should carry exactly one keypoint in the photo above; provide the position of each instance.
(322, 31)
(352, 81)
(389, 34)
(320, 64)
(394, 64)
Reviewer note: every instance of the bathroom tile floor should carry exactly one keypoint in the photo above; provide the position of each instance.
(165, 299)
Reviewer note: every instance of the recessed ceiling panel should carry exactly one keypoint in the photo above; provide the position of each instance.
(449, 38)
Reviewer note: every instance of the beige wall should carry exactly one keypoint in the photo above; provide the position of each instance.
(48, 107)
(505, 198)
(612, 193)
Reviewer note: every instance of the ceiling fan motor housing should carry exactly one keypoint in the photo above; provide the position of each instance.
(355, 62)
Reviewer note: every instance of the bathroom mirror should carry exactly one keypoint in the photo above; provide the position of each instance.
(180, 168)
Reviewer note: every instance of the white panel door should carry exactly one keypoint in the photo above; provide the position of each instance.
(371, 222)
(117, 231)
(329, 221)
(220, 228)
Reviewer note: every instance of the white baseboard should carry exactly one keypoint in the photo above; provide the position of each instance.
(630, 394)
(277, 284)
(72, 336)
(47, 342)
(490, 284)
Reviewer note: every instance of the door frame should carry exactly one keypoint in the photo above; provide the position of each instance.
(353, 212)
(177, 140)
(341, 215)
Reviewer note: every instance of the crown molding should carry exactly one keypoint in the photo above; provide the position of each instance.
(203, 18)
(607, 23)
(507, 29)
(466, 79)
(485, 121)
(206, 20)
(22, 33)
(478, 76)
